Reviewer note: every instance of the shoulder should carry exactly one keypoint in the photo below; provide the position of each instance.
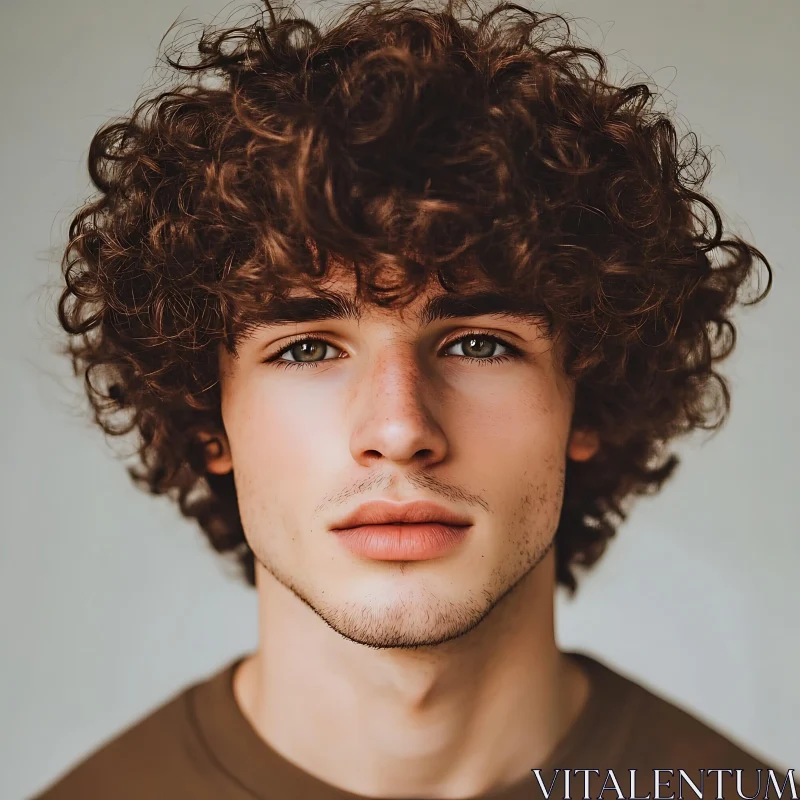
(684, 737)
(146, 759)
(657, 732)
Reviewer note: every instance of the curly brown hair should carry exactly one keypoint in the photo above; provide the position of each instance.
(413, 141)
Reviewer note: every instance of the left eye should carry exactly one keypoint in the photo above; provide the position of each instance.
(478, 346)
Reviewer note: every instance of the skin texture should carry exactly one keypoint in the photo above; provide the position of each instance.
(365, 668)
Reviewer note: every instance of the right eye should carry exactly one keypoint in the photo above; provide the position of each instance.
(305, 351)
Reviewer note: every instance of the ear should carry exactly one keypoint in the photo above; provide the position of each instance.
(217, 452)
(582, 445)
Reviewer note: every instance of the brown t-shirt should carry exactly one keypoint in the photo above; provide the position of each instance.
(199, 746)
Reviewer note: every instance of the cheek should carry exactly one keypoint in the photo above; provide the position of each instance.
(512, 423)
(279, 431)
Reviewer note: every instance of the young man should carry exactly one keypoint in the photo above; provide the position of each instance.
(404, 312)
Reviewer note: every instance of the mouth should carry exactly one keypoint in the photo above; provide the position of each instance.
(383, 512)
(417, 531)
(404, 541)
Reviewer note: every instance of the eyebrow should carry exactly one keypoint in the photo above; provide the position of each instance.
(336, 306)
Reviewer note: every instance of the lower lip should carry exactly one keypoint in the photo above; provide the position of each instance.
(403, 542)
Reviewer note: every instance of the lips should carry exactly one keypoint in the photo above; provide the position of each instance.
(383, 512)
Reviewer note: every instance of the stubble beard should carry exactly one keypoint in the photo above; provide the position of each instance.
(429, 620)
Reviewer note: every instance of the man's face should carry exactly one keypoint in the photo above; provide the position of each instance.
(472, 413)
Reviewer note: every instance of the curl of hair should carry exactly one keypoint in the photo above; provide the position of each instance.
(481, 144)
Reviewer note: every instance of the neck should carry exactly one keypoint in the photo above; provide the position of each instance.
(457, 720)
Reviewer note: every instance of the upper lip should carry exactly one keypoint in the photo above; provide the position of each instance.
(382, 512)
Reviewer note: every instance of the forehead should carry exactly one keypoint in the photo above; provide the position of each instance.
(424, 309)
(336, 297)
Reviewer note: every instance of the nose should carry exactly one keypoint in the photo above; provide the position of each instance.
(394, 420)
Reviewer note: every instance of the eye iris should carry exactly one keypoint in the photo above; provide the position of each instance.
(484, 350)
(306, 351)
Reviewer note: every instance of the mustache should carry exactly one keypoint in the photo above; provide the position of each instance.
(419, 479)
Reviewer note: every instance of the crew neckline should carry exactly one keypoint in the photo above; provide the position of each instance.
(254, 765)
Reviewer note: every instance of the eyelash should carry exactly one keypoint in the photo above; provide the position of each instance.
(512, 353)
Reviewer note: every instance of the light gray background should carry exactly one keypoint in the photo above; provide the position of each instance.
(110, 602)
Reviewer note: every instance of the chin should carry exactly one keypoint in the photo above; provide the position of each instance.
(388, 584)
(406, 606)
(403, 626)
